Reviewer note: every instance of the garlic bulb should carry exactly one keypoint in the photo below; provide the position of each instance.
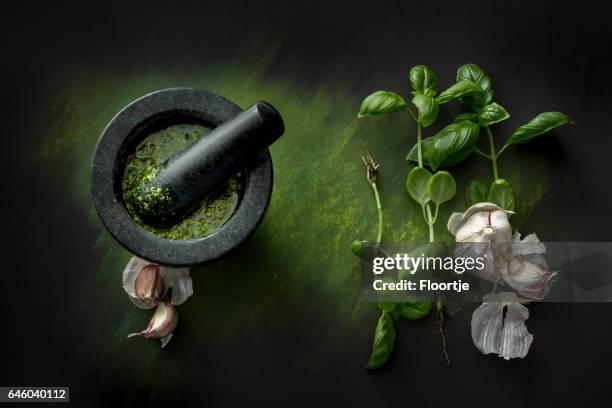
(482, 222)
(162, 324)
(483, 230)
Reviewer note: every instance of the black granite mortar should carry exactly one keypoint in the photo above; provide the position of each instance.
(154, 111)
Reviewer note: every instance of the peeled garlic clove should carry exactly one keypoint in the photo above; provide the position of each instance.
(504, 334)
(148, 283)
(150, 291)
(162, 324)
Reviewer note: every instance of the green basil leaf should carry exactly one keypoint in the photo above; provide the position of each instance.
(441, 187)
(475, 192)
(381, 102)
(460, 88)
(492, 113)
(422, 79)
(471, 116)
(472, 72)
(456, 141)
(428, 109)
(384, 341)
(416, 184)
(415, 310)
(538, 125)
(413, 154)
(500, 193)
(356, 248)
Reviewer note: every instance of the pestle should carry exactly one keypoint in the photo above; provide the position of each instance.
(184, 179)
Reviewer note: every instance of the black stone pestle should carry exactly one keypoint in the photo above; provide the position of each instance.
(166, 192)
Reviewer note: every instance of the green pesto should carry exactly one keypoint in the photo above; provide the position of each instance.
(146, 200)
(141, 164)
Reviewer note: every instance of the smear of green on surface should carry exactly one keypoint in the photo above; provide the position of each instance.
(297, 268)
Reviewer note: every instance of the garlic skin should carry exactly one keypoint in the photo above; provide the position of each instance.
(162, 324)
(147, 283)
(527, 271)
(494, 332)
(178, 280)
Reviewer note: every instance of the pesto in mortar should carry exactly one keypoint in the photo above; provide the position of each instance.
(206, 217)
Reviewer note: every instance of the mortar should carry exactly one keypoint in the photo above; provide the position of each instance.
(156, 113)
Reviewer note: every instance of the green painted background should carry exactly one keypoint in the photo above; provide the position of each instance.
(297, 268)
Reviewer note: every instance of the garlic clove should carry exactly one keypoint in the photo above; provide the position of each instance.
(148, 283)
(139, 276)
(162, 324)
(148, 295)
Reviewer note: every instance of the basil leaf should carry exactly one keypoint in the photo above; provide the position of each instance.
(472, 72)
(456, 142)
(416, 184)
(492, 113)
(414, 310)
(381, 102)
(500, 193)
(356, 248)
(413, 154)
(471, 116)
(441, 187)
(538, 125)
(428, 109)
(423, 79)
(384, 340)
(475, 192)
(460, 88)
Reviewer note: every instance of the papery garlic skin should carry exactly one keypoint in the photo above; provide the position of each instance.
(178, 280)
(162, 324)
(527, 271)
(503, 334)
(529, 276)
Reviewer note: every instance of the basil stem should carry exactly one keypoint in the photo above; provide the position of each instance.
(419, 149)
(380, 212)
(492, 156)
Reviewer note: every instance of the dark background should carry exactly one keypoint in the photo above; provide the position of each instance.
(526, 48)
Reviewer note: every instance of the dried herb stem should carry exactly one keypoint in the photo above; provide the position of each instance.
(371, 171)
(441, 318)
